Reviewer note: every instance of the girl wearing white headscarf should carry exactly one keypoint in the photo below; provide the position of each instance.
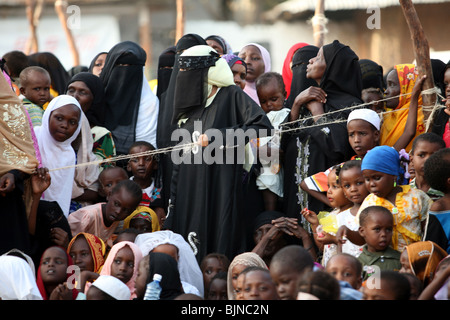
(57, 154)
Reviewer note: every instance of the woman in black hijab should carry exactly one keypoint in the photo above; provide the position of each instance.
(314, 147)
(165, 67)
(128, 96)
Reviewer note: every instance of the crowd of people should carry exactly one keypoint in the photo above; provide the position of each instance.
(107, 179)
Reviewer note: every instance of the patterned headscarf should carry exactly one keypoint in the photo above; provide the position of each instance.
(424, 257)
(97, 246)
(144, 213)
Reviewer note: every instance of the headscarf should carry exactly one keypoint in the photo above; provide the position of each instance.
(166, 266)
(17, 280)
(390, 163)
(266, 217)
(204, 68)
(112, 287)
(40, 282)
(92, 64)
(286, 71)
(97, 246)
(394, 122)
(250, 87)
(367, 115)
(21, 254)
(96, 113)
(222, 42)
(424, 257)
(342, 77)
(106, 270)
(372, 74)
(299, 81)
(188, 267)
(127, 94)
(232, 59)
(438, 67)
(144, 213)
(58, 154)
(249, 259)
(165, 66)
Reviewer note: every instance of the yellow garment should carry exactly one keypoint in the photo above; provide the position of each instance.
(328, 221)
(139, 209)
(394, 122)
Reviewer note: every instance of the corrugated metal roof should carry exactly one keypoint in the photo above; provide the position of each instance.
(297, 7)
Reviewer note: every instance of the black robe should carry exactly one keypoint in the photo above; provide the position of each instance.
(207, 199)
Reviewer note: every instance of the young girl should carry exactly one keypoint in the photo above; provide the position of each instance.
(410, 206)
(211, 265)
(122, 263)
(60, 127)
(102, 219)
(87, 251)
(53, 271)
(326, 240)
(354, 188)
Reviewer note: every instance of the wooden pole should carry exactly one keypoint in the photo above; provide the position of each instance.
(179, 32)
(60, 8)
(421, 53)
(318, 23)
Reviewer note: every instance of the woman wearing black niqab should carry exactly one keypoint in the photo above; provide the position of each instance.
(131, 106)
(315, 149)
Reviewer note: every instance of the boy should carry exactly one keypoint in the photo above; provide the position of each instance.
(35, 87)
(347, 269)
(393, 286)
(258, 285)
(423, 147)
(375, 226)
(143, 170)
(286, 269)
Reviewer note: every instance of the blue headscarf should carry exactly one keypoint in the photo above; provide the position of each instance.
(382, 159)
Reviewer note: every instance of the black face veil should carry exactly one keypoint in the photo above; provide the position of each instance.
(191, 86)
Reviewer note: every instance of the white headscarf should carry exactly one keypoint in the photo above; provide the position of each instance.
(17, 280)
(187, 263)
(57, 154)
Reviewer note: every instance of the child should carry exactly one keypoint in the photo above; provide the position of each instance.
(87, 252)
(423, 147)
(393, 286)
(237, 265)
(354, 188)
(164, 265)
(35, 85)
(60, 127)
(318, 284)
(122, 262)
(437, 173)
(421, 259)
(142, 219)
(217, 289)
(211, 265)
(272, 98)
(326, 240)
(53, 271)
(408, 205)
(144, 169)
(108, 178)
(258, 285)
(347, 269)
(286, 269)
(101, 219)
(375, 226)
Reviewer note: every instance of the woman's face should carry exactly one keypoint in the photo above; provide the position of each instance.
(392, 90)
(316, 67)
(141, 278)
(255, 64)
(215, 45)
(239, 74)
(80, 91)
(63, 122)
(99, 64)
(81, 254)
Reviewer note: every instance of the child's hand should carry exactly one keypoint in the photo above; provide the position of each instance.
(341, 234)
(7, 183)
(61, 292)
(40, 181)
(310, 216)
